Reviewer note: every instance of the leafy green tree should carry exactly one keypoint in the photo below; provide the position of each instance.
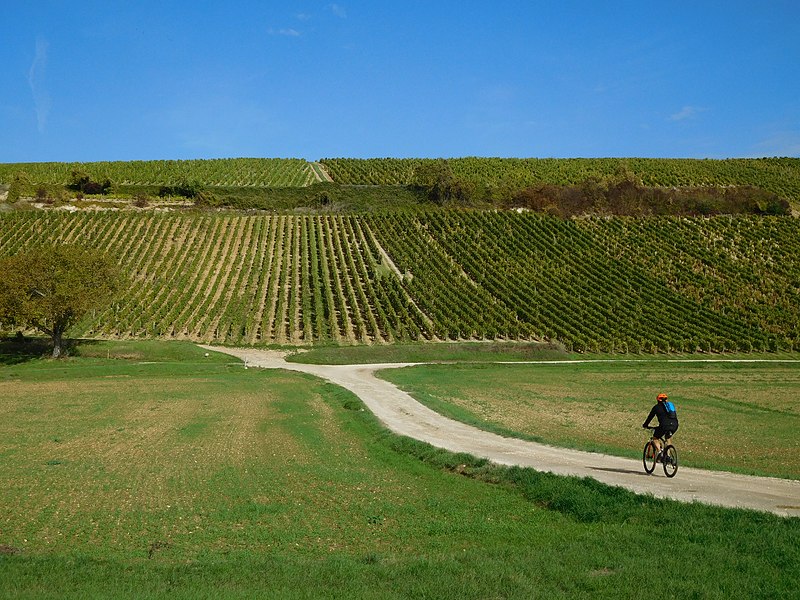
(441, 184)
(82, 182)
(19, 183)
(187, 188)
(51, 288)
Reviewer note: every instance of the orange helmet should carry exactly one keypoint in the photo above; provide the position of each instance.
(661, 397)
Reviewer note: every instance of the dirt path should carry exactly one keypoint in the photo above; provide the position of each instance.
(320, 172)
(404, 415)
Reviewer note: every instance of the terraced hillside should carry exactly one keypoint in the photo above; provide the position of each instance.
(621, 285)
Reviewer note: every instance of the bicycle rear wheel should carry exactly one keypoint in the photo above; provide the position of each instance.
(670, 461)
(649, 457)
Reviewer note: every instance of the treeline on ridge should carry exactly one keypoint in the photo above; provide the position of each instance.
(629, 198)
(620, 194)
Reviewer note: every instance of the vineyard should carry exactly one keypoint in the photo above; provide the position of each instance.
(617, 285)
(778, 175)
(226, 172)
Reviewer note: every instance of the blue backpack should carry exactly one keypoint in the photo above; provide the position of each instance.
(671, 412)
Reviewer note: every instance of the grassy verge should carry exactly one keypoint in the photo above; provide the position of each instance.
(175, 475)
(18, 350)
(431, 352)
(496, 351)
(741, 417)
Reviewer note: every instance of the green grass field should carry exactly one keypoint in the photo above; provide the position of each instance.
(149, 470)
(737, 416)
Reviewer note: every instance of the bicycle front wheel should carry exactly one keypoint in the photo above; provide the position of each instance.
(670, 461)
(649, 457)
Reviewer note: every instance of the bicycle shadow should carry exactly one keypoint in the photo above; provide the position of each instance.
(623, 471)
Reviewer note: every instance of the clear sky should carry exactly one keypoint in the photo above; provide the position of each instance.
(111, 80)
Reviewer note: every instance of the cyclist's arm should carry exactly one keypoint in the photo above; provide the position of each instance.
(649, 417)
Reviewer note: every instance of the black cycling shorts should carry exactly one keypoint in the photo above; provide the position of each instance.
(665, 431)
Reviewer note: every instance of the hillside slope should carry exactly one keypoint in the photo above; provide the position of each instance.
(367, 184)
(621, 285)
(778, 175)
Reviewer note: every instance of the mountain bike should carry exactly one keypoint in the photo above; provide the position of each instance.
(668, 457)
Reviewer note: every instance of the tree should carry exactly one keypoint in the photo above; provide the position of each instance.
(52, 288)
(187, 188)
(82, 182)
(441, 184)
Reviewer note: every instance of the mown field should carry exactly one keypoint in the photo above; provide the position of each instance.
(148, 470)
(594, 285)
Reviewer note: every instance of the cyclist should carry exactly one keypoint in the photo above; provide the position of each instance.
(664, 410)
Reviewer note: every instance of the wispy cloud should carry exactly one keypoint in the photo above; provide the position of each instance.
(687, 112)
(305, 18)
(36, 79)
(338, 10)
(288, 32)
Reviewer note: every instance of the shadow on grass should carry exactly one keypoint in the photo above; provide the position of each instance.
(19, 349)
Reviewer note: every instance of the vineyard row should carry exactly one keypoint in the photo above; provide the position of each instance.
(621, 285)
(227, 172)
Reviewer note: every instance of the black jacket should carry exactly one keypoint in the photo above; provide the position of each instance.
(660, 411)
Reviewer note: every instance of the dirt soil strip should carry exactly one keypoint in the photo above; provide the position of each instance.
(405, 416)
(320, 172)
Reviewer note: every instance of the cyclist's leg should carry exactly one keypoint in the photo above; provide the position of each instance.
(671, 457)
(658, 437)
(654, 441)
(667, 442)
(668, 433)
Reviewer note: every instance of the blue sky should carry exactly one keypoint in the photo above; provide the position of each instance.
(109, 80)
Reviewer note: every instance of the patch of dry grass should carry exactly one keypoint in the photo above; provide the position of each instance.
(740, 416)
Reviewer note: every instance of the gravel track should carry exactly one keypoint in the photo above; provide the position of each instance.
(402, 414)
